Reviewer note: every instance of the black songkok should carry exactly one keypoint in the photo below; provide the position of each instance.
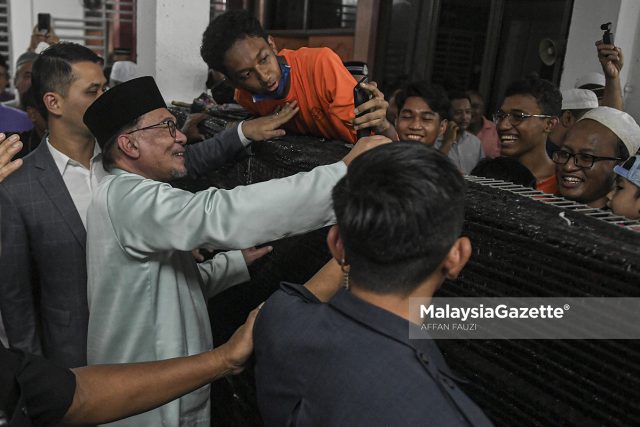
(120, 105)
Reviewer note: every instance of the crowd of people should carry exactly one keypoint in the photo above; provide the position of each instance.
(96, 245)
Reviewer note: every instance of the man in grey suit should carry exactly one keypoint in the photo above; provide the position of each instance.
(43, 285)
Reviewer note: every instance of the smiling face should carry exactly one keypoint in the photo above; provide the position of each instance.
(251, 64)
(161, 156)
(418, 122)
(529, 135)
(588, 185)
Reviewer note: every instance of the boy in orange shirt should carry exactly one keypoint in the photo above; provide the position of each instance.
(236, 45)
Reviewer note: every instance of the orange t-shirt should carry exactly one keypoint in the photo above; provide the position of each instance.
(323, 88)
(548, 185)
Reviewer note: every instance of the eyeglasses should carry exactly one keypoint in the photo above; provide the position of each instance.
(166, 123)
(561, 157)
(516, 118)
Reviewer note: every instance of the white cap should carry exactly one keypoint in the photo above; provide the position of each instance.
(620, 123)
(123, 71)
(590, 79)
(578, 99)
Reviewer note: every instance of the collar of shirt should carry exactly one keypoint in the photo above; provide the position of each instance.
(487, 124)
(62, 160)
(390, 325)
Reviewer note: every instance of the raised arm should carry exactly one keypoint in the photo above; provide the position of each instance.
(612, 60)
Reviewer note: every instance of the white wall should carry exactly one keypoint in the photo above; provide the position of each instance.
(581, 57)
(169, 34)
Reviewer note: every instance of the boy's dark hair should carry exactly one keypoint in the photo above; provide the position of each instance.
(547, 96)
(223, 32)
(434, 95)
(52, 69)
(457, 94)
(399, 210)
(505, 169)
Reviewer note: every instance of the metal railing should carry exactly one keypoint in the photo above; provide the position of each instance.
(557, 201)
(93, 30)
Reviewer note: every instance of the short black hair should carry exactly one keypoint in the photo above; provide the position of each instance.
(399, 209)
(457, 94)
(223, 32)
(52, 69)
(547, 96)
(505, 169)
(434, 95)
(108, 162)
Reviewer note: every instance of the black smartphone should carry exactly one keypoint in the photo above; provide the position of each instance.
(607, 37)
(44, 22)
(360, 96)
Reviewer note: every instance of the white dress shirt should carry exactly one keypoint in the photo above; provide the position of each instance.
(80, 181)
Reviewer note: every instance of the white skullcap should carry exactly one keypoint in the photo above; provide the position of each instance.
(123, 71)
(578, 99)
(620, 123)
(590, 79)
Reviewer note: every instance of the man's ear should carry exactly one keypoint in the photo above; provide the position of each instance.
(457, 257)
(128, 146)
(443, 126)
(272, 44)
(567, 119)
(334, 242)
(53, 103)
(550, 124)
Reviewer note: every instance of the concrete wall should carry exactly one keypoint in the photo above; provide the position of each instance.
(581, 57)
(169, 34)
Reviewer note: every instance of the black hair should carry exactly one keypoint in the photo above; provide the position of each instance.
(547, 96)
(399, 210)
(505, 169)
(108, 162)
(457, 94)
(434, 95)
(223, 32)
(52, 69)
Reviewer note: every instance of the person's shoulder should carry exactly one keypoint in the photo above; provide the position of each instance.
(471, 139)
(24, 175)
(286, 308)
(315, 55)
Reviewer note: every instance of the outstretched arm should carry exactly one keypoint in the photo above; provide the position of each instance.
(106, 393)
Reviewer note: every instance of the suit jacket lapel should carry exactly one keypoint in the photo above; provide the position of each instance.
(54, 186)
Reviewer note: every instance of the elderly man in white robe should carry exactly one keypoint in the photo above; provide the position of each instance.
(146, 294)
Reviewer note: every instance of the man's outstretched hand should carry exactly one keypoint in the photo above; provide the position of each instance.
(268, 127)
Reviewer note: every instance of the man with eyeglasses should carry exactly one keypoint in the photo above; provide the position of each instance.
(527, 115)
(43, 280)
(601, 139)
(147, 296)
